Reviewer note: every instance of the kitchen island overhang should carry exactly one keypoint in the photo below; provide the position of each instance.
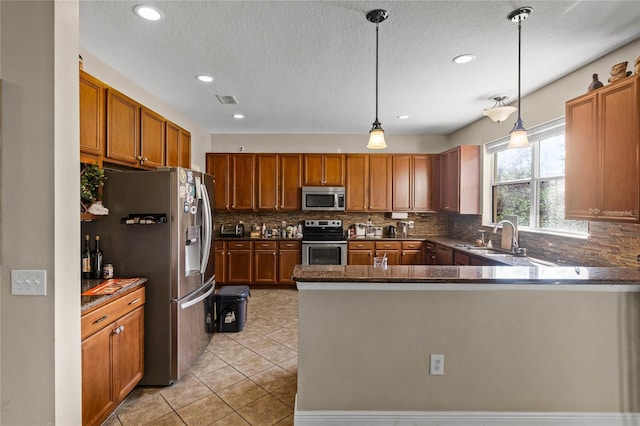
(516, 340)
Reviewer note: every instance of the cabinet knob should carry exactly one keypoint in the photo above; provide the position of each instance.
(274, 253)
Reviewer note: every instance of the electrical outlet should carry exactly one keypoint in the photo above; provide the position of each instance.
(436, 364)
(29, 282)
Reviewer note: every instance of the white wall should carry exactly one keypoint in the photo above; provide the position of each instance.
(326, 143)
(200, 137)
(547, 103)
(39, 216)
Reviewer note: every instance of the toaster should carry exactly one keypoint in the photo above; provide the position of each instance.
(231, 230)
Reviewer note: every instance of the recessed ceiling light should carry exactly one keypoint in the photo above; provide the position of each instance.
(463, 59)
(204, 78)
(148, 12)
(238, 116)
(403, 117)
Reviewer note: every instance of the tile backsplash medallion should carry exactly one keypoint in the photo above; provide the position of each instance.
(608, 244)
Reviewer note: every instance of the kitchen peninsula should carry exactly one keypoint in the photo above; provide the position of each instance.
(520, 344)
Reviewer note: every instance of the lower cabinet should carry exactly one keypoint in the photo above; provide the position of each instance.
(391, 249)
(444, 255)
(256, 262)
(112, 354)
(412, 253)
(360, 252)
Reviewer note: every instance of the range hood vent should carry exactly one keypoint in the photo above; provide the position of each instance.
(227, 99)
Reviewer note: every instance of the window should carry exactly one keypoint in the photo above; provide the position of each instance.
(529, 182)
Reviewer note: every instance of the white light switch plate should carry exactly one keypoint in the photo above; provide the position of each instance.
(28, 282)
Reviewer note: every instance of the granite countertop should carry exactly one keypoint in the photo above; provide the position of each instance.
(91, 302)
(248, 238)
(466, 274)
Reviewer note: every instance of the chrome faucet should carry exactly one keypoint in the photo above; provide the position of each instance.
(514, 239)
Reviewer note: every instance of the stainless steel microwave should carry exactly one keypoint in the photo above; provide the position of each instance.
(323, 198)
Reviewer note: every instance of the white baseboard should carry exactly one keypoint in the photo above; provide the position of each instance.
(461, 418)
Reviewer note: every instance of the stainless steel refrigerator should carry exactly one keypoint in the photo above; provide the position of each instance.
(160, 226)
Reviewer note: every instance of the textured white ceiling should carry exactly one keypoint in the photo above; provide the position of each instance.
(309, 66)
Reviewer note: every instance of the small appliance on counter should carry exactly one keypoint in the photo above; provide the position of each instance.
(391, 231)
(377, 231)
(361, 229)
(236, 230)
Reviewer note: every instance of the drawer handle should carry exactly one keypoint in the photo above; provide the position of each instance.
(134, 301)
(99, 320)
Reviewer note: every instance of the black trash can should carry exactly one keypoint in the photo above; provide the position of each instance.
(231, 307)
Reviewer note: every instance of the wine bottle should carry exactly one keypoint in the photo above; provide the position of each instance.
(86, 258)
(97, 260)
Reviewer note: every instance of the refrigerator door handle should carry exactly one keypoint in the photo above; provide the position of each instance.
(208, 226)
(198, 299)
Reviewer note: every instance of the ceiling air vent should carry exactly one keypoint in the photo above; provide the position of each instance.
(227, 99)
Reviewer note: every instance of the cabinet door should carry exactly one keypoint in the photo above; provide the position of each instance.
(184, 149)
(242, 182)
(444, 255)
(334, 170)
(92, 128)
(450, 180)
(220, 259)
(239, 263)
(98, 397)
(289, 255)
(359, 257)
(129, 352)
(357, 182)
(313, 170)
(462, 259)
(421, 177)
(435, 182)
(402, 188)
(218, 166)
(267, 181)
(123, 135)
(290, 174)
(391, 249)
(619, 112)
(379, 185)
(412, 253)
(172, 135)
(265, 262)
(152, 140)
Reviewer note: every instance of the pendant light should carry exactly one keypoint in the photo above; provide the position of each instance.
(518, 133)
(499, 112)
(376, 135)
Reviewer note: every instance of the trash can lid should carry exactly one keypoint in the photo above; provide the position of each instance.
(235, 290)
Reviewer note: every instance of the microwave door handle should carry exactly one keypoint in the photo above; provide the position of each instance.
(206, 249)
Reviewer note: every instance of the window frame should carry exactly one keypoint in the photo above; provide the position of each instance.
(536, 134)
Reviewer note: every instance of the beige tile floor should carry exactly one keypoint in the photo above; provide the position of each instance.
(245, 378)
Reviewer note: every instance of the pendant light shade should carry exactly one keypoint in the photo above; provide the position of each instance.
(499, 112)
(519, 137)
(376, 134)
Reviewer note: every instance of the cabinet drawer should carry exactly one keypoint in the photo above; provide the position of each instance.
(461, 258)
(238, 245)
(388, 245)
(265, 245)
(411, 245)
(105, 315)
(219, 245)
(360, 245)
(289, 245)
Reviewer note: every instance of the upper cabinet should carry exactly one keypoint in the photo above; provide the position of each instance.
(92, 130)
(368, 182)
(290, 182)
(460, 180)
(234, 177)
(412, 182)
(323, 170)
(267, 181)
(116, 129)
(602, 146)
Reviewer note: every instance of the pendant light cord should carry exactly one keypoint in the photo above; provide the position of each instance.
(519, 55)
(377, 74)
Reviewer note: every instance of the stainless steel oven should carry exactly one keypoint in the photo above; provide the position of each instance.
(324, 243)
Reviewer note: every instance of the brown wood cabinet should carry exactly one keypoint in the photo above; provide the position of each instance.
(602, 146)
(92, 123)
(265, 262)
(278, 182)
(368, 182)
(172, 138)
(152, 139)
(323, 170)
(220, 259)
(391, 249)
(412, 182)
(444, 255)
(234, 180)
(460, 180)
(184, 149)
(112, 354)
(239, 262)
(360, 252)
(267, 181)
(289, 255)
(412, 253)
(123, 129)
(290, 176)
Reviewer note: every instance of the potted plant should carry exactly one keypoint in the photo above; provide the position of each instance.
(92, 179)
